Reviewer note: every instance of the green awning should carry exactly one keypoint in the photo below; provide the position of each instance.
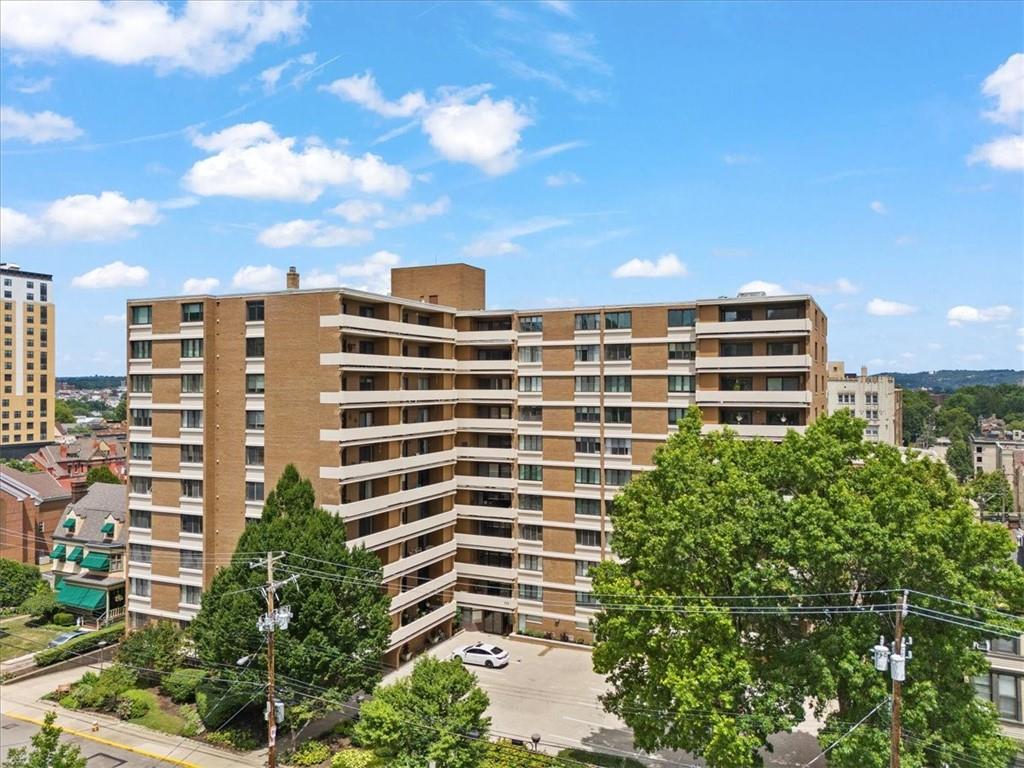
(58, 552)
(97, 561)
(107, 528)
(76, 555)
(69, 523)
(75, 596)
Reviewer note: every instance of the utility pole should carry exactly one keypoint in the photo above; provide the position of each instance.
(898, 658)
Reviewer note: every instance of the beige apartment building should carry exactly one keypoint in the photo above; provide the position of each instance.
(27, 340)
(1003, 685)
(876, 399)
(474, 451)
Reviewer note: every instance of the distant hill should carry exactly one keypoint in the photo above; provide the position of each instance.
(90, 382)
(952, 380)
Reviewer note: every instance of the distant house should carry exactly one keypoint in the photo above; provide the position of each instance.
(31, 503)
(88, 555)
(69, 463)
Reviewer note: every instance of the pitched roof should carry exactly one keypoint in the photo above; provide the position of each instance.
(82, 449)
(102, 500)
(39, 485)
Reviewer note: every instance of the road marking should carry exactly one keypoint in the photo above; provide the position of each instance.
(107, 742)
(586, 722)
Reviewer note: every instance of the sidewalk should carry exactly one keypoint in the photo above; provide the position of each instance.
(21, 701)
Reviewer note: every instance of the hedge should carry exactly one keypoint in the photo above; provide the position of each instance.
(80, 645)
(181, 684)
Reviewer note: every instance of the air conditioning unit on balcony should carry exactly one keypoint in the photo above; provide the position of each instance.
(983, 645)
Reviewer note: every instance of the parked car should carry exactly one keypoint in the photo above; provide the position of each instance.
(482, 654)
(65, 637)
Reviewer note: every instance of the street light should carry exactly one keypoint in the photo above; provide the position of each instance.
(535, 738)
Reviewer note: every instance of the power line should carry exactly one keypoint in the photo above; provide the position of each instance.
(851, 730)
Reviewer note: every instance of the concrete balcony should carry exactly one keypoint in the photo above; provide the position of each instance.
(374, 327)
(753, 328)
(485, 425)
(418, 560)
(472, 453)
(403, 600)
(422, 624)
(493, 543)
(351, 435)
(407, 531)
(475, 483)
(472, 570)
(358, 362)
(493, 602)
(754, 363)
(356, 509)
(770, 431)
(480, 512)
(361, 398)
(487, 395)
(371, 469)
(1003, 662)
(746, 397)
(485, 337)
(467, 366)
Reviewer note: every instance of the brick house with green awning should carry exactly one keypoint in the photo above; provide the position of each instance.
(88, 555)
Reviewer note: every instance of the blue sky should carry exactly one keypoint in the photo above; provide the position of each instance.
(583, 153)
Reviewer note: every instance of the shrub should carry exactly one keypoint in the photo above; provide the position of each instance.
(181, 684)
(63, 619)
(69, 702)
(236, 738)
(310, 753)
(79, 645)
(216, 702)
(156, 649)
(134, 704)
(41, 604)
(102, 692)
(356, 758)
(599, 759)
(17, 582)
(193, 725)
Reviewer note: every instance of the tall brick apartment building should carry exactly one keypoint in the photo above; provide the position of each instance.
(473, 450)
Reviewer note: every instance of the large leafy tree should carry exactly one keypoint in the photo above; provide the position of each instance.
(958, 457)
(18, 582)
(340, 625)
(101, 474)
(434, 715)
(822, 513)
(46, 751)
(918, 410)
(992, 492)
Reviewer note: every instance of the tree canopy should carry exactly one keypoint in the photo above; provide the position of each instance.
(917, 414)
(47, 750)
(340, 624)
(101, 474)
(22, 465)
(823, 513)
(18, 582)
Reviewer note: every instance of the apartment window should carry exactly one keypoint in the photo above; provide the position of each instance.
(589, 507)
(254, 311)
(681, 350)
(254, 383)
(586, 599)
(588, 414)
(585, 538)
(142, 485)
(192, 383)
(142, 451)
(619, 446)
(141, 350)
(587, 353)
(531, 532)
(588, 476)
(583, 568)
(192, 489)
(588, 321)
(783, 348)
(530, 563)
(784, 383)
(531, 502)
(681, 318)
(735, 416)
(140, 553)
(681, 383)
(1003, 691)
(530, 383)
(530, 413)
(191, 454)
(531, 472)
(190, 560)
(736, 349)
(588, 445)
(618, 415)
(254, 455)
(191, 595)
(530, 354)
(531, 443)
(617, 476)
(192, 312)
(254, 420)
(141, 384)
(736, 383)
(254, 347)
(735, 314)
(675, 414)
(191, 524)
(1007, 645)
(787, 312)
(142, 417)
(618, 384)
(142, 315)
(618, 320)
(253, 491)
(192, 419)
(531, 592)
(140, 518)
(531, 324)
(139, 587)
(191, 348)
(618, 352)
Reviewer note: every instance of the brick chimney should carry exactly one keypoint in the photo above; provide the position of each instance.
(292, 279)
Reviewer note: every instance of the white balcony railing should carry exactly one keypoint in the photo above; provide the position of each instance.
(356, 509)
(742, 328)
(419, 559)
(755, 430)
(494, 543)
(388, 397)
(407, 531)
(480, 512)
(745, 397)
(485, 425)
(371, 469)
(475, 453)
(426, 589)
(357, 361)
(485, 337)
(755, 362)
(475, 600)
(350, 435)
(422, 624)
(473, 570)
(387, 327)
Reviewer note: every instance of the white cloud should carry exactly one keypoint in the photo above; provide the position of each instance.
(963, 313)
(417, 213)
(177, 203)
(110, 216)
(562, 179)
(36, 128)
(760, 286)
(117, 274)
(886, 308)
(371, 274)
(1005, 154)
(736, 158)
(16, 227)
(500, 242)
(1006, 86)
(43, 84)
(199, 284)
(201, 36)
(878, 207)
(485, 134)
(842, 285)
(270, 76)
(576, 50)
(253, 162)
(561, 7)
(358, 211)
(364, 91)
(313, 233)
(555, 149)
(667, 265)
(253, 278)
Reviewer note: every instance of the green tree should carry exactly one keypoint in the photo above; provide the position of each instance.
(119, 412)
(154, 651)
(340, 624)
(954, 422)
(22, 465)
(992, 492)
(958, 457)
(42, 603)
(434, 714)
(63, 412)
(822, 513)
(917, 413)
(101, 474)
(47, 751)
(17, 582)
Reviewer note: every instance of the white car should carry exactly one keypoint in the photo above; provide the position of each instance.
(482, 654)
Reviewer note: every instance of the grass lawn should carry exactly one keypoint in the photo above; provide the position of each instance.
(17, 639)
(162, 716)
